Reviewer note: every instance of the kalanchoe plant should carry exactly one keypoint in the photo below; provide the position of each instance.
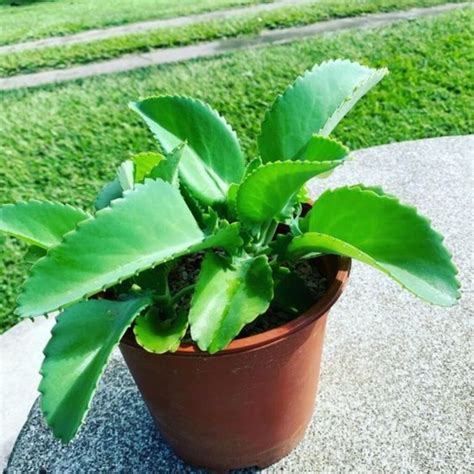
(110, 270)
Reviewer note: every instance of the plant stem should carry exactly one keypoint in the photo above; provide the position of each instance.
(184, 291)
(270, 232)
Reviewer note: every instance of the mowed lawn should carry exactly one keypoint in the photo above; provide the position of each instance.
(43, 18)
(28, 61)
(62, 142)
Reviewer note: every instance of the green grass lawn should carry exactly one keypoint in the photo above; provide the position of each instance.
(61, 142)
(42, 19)
(64, 56)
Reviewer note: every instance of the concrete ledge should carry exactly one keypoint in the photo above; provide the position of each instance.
(395, 391)
(21, 354)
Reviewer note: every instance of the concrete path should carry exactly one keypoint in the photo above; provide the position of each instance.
(144, 26)
(21, 354)
(395, 383)
(212, 48)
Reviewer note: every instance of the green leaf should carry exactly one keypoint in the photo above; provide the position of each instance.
(34, 253)
(315, 103)
(227, 298)
(150, 226)
(168, 168)
(155, 279)
(232, 199)
(108, 193)
(226, 236)
(128, 173)
(125, 174)
(160, 336)
(279, 246)
(324, 149)
(303, 195)
(291, 293)
(267, 192)
(39, 223)
(144, 163)
(212, 158)
(75, 357)
(252, 166)
(365, 224)
(194, 206)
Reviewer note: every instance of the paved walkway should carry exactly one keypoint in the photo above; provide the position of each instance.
(395, 383)
(212, 48)
(143, 26)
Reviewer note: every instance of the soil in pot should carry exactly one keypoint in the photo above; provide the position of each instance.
(315, 285)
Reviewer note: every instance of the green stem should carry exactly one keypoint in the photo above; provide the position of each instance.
(184, 291)
(270, 233)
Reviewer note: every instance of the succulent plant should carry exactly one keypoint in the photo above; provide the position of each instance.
(110, 271)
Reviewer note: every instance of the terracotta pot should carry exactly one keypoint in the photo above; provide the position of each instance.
(248, 405)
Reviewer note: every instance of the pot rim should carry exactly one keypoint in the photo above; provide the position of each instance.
(319, 309)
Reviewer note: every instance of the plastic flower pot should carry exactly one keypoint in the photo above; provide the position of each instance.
(248, 405)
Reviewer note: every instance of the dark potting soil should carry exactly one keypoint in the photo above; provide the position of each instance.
(187, 270)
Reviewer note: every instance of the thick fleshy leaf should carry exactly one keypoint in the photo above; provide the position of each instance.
(324, 149)
(227, 298)
(168, 169)
(252, 166)
(125, 173)
(144, 163)
(75, 357)
(149, 226)
(365, 224)
(194, 206)
(34, 253)
(315, 103)
(226, 236)
(108, 193)
(279, 246)
(155, 279)
(160, 336)
(232, 199)
(291, 292)
(212, 158)
(267, 192)
(39, 223)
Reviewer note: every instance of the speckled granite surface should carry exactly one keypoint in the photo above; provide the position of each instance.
(394, 391)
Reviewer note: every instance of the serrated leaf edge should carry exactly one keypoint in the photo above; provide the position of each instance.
(376, 73)
(378, 191)
(334, 140)
(171, 349)
(205, 347)
(41, 390)
(283, 95)
(270, 164)
(133, 106)
(109, 208)
(42, 202)
(216, 348)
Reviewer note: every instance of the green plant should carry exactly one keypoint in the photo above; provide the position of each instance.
(196, 196)
(46, 129)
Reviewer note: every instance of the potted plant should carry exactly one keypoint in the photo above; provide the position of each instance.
(213, 273)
